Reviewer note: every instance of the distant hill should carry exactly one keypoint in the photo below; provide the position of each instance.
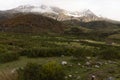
(100, 25)
(31, 23)
(93, 29)
(96, 25)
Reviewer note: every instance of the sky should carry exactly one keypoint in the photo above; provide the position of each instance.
(105, 8)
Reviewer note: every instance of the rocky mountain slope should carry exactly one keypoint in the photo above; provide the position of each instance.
(54, 12)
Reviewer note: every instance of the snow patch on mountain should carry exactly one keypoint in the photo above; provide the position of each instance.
(81, 13)
(51, 9)
(57, 13)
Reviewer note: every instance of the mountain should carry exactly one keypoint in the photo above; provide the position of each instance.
(100, 25)
(31, 23)
(55, 13)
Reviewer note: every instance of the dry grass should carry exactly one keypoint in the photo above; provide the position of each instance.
(7, 75)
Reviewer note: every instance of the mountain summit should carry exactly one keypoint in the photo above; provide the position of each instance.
(57, 13)
(54, 12)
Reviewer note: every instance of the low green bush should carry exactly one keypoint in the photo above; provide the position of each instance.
(9, 56)
(31, 71)
(110, 53)
(53, 71)
(49, 71)
(82, 53)
(46, 52)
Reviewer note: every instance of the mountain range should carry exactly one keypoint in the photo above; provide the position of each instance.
(53, 12)
(48, 19)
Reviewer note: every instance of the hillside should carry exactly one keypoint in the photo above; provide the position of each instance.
(100, 25)
(31, 23)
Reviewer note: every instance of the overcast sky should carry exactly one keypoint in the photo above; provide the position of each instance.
(105, 8)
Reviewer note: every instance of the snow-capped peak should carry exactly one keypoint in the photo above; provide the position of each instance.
(81, 13)
(38, 9)
(43, 9)
(56, 12)
(87, 11)
(43, 6)
(52, 9)
(24, 8)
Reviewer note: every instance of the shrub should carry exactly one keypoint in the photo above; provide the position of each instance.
(49, 71)
(31, 71)
(46, 52)
(109, 53)
(82, 53)
(53, 71)
(9, 56)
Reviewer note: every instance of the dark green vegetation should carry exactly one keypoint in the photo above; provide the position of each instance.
(49, 71)
(19, 49)
(96, 30)
(80, 49)
(7, 57)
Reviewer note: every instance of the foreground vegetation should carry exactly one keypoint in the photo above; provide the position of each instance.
(81, 57)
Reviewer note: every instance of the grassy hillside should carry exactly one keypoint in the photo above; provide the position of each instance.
(100, 25)
(31, 23)
(97, 30)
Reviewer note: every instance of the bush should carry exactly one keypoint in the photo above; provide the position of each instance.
(53, 71)
(82, 53)
(49, 71)
(110, 53)
(9, 56)
(46, 52)
(31, 71)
